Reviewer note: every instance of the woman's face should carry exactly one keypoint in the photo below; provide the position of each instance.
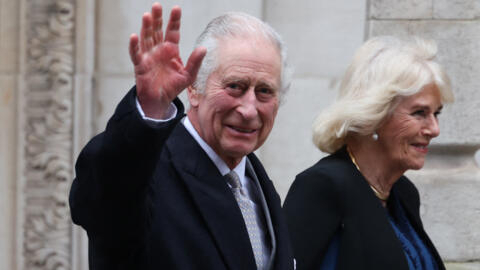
(406, 134)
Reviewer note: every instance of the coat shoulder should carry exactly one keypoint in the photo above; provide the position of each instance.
(329, 172)
(405, 188)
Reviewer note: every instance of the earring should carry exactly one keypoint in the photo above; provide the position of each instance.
(375, 136)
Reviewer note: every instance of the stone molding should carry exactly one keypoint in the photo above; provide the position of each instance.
(45, 113)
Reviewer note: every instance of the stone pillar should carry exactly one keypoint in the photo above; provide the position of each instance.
(449, 183)
(9, 24)
(54, 75)
(45, 114)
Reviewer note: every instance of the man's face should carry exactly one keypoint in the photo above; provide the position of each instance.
(236, 112)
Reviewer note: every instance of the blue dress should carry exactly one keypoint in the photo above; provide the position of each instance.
(417, 254)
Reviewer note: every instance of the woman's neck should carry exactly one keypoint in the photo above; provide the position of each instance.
(375, 165)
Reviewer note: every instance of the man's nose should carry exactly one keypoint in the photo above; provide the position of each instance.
(248, 104)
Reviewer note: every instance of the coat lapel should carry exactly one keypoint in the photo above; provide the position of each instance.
(282, 257)
(411, 205)
(266, 212)
(213, 199)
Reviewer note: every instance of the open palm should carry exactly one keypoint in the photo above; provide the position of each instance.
(159, 72)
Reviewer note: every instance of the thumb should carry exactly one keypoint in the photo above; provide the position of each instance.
(194, 62)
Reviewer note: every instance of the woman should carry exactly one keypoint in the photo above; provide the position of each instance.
(355, 209)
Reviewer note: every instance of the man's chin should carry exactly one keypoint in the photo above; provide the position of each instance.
(239, 151)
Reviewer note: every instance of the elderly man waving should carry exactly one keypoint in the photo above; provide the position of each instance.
(158, 190)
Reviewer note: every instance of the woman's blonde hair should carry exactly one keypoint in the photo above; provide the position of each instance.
(383, 69)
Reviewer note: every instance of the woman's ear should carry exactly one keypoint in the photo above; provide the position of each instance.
(193, 96)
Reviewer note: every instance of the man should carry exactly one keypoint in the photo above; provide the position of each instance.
(157, 190)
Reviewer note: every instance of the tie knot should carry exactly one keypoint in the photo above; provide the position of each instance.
(233, 179)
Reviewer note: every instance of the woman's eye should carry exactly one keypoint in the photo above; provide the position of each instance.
(419, 113)
(437, 113)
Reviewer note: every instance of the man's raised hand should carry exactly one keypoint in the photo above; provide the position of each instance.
(159, 72)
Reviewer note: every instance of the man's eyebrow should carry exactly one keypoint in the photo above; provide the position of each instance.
(267, 84)
(235, 79)
(247, 80)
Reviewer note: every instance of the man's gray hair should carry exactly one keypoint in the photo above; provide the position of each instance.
(232, 25)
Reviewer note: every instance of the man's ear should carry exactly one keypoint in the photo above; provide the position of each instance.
(193, 96)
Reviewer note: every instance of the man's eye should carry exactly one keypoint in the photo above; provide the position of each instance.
(437, 113)
(233, 86)
(265, 91)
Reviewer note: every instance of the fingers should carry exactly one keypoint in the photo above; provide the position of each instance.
(134, 49)
(172, 34)
(157, 23)
(146, 33)
(194, 61)
(151, 32)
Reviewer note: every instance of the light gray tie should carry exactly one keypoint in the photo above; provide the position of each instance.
(249, 217)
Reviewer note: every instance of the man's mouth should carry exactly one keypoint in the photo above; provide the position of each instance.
(242, 130)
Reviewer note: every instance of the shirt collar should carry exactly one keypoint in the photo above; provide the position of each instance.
(219, 163)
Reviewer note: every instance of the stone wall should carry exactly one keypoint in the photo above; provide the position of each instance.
(9, 25)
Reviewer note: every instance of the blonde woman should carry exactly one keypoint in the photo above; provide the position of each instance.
(355, 209)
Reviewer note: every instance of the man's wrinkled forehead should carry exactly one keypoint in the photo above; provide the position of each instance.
(250, 61)
(253, 38)
(246, 46)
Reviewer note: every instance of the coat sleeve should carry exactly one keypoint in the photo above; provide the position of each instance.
(108, 197)
(313, 210)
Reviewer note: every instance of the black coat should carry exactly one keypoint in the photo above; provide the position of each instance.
(332, 196)
(150, 198)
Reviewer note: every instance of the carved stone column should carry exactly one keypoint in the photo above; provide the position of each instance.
(45, 143)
